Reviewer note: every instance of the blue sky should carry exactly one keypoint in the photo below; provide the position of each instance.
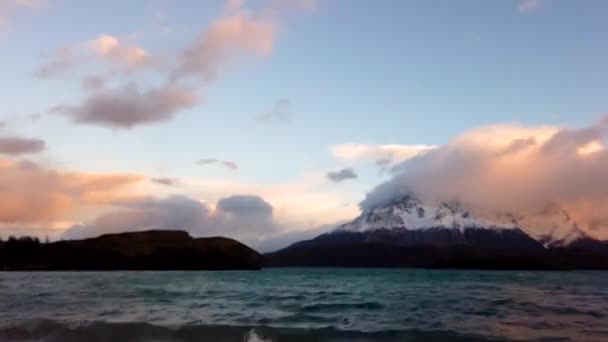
(360, 72)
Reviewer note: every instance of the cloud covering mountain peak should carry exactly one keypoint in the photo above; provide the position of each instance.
(510, 168)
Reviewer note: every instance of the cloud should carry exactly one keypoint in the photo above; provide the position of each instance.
(17, 146)
(245, 205)
(383, 162)
(206, 161)
(341, 175)
(7, 7)
(31, 4)
(284, 239)
(280, 112)
(165, 181)
(113, 51)
(93, 83)
(245, 217)
(230, 164)
(236, 34)
(299, 204)
(225, 163)
(30, 193)
(62, 59)
(393, 152)
(509, 167)
(128, 107)
(527, 6)
(118, 51)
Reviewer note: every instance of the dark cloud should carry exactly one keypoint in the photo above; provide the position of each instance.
(225, 163)
(280, 112)
(341, 175)
(245, 217)
(206, 161)
(246, 205)
(18, 146)
(165, 181)
(129, 107)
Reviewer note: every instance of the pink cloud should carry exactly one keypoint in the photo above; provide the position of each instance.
(526, 6)
(510, 167)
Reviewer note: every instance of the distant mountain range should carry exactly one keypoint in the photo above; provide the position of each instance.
(407, 232)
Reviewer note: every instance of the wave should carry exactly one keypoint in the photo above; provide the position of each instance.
(54, 331)
(321, 307)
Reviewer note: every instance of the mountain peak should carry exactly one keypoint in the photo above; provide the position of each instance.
(552, 226)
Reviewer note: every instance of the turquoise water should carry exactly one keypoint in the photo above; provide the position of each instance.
(304, 305)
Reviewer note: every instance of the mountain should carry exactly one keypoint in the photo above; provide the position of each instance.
(551, 226)
(146, 250)
(407, 232)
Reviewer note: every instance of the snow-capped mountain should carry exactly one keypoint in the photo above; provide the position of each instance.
(410, 233)
(552, 226)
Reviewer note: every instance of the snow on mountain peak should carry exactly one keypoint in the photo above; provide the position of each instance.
(409, 213)
(551, 226)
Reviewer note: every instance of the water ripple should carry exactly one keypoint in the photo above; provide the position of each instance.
(370, 303)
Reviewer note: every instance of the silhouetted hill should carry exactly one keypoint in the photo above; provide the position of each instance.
(147, 250)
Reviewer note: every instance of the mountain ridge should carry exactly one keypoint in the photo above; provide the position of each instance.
(552, 226)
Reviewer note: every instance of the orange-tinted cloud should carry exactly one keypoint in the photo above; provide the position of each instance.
(118, 51)
(32, 194)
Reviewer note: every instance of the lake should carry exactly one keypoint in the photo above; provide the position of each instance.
(287, 304)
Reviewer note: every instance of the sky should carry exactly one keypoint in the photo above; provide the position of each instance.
(273, 120)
